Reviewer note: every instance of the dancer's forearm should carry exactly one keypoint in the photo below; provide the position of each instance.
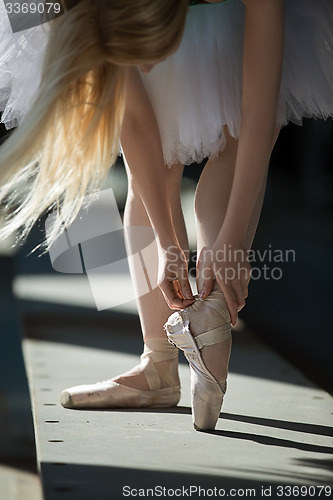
(142, 148)
(262, 67)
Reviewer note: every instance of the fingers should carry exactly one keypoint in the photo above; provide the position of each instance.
(207, 277)
(184, 287)
(235, 292)
(232, 276)
(244, 280)
(173, 278)
(231, 300)
(238, 292)
(175, 295)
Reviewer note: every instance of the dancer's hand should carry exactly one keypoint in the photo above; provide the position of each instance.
(173, 277)
(227, 264)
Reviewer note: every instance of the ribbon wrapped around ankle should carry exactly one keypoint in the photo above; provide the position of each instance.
(155, 350)
(177, 326)
(158, 349)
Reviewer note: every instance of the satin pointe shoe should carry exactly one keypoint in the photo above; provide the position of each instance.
(206, 392)
(111, 394)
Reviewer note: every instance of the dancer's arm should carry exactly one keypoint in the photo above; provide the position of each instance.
(262, 68)
(142, 148)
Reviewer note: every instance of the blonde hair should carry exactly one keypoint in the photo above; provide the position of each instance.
(67, 143)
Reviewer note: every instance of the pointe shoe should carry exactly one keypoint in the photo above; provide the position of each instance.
(111, 394)
(206, 392)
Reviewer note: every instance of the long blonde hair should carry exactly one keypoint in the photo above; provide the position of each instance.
(66, 144)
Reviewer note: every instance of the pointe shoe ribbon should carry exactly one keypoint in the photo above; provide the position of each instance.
(206, 393)
(111, 394)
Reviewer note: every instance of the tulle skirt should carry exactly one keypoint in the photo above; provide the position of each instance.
(197, 91)
(21, 58)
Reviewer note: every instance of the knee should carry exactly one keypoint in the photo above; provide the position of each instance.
(133, 192)
(173, 182)
(201, 207)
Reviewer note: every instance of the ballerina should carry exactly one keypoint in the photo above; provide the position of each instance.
(174, 84)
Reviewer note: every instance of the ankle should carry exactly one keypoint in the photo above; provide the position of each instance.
(209, 315)
(168, 372)
(202, 315)
(159, 349)
(158, 367)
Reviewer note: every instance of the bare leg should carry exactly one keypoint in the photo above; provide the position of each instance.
(153, 310)
(257, 209)
(211, 201)
(155, 380)
(212, 196)
(208, 320)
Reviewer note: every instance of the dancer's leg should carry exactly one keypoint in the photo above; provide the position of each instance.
(153, 310)
(212, 197)
(211, 201)
(155, 380)
(208, 320)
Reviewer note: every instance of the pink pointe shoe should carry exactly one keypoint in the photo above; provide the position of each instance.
(111, 394)
(206, 392)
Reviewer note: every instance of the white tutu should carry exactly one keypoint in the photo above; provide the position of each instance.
(21, 57)
(197, 91)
